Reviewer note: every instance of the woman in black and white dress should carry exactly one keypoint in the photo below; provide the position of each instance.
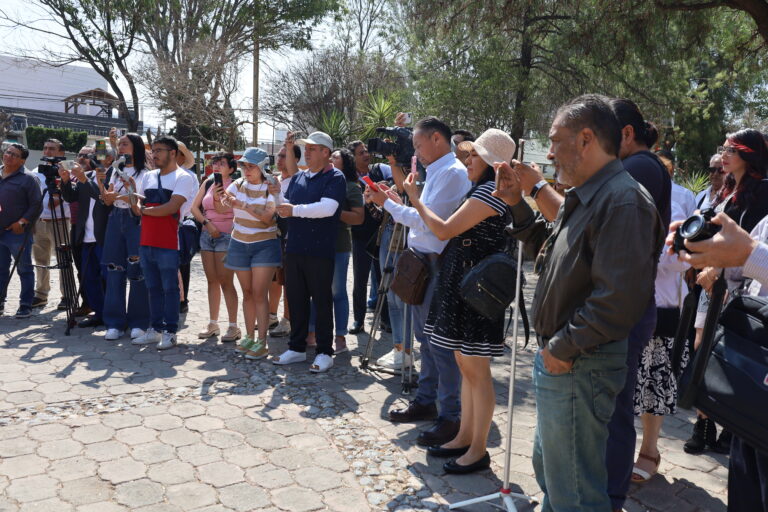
(475, 230)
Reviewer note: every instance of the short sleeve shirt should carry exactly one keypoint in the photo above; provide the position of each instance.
(163, 232)
(247, 228)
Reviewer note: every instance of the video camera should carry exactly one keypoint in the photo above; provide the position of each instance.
(401, 148)
(695, 229)
(50, 169)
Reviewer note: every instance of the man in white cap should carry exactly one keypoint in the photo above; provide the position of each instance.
(312, 207)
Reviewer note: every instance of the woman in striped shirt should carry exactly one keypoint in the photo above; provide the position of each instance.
(254, 251)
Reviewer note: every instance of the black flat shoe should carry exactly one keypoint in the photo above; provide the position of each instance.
(91, 321)
(439, 451)
(451, 467)
(356, 328)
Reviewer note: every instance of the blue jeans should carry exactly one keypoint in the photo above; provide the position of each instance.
(120, 242)
(572, 428)
(439, 378)
(93, 277)
(394, 303)
(340, 297)
(161, 269)
(10, 244)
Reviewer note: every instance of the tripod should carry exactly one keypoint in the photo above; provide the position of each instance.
(398, 240)
(505, 495)
(63, 250)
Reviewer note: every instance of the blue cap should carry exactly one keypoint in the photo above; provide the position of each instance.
(255, 156)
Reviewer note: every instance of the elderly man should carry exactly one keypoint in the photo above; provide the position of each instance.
(594, 284)
(20, 199)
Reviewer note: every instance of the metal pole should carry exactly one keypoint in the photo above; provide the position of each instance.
(256, 91)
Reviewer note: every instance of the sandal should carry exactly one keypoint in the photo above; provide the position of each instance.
(641, 476)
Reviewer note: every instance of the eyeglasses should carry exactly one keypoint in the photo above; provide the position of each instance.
(727, 149)
(83, 155)
(718, 170)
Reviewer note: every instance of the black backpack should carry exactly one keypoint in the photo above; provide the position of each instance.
(727, 378)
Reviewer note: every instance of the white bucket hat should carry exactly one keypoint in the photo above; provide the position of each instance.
(492, 146)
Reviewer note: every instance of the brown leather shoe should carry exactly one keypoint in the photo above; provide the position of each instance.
(414, 412)
(439, 434)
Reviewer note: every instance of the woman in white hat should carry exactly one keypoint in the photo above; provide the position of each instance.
(475, 230)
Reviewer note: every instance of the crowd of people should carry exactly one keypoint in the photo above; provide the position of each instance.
(606, 305)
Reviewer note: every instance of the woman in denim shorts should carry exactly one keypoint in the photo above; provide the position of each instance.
(254, 250)
(214, 242)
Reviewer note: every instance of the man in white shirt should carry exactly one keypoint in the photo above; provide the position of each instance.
(445, 188)
(47, 231)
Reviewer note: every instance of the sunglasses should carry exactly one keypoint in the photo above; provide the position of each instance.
(718, 170)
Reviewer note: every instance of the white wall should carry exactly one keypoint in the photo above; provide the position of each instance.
(28, 84)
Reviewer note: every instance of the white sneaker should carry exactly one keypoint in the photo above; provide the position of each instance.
(137, 333)
(167, 341)
(290, 357)
(151, 336)
(322, 363)
(394, 360)
(283, 328)
(113, 334)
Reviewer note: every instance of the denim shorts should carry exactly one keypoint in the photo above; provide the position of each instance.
(257, 254)
(208, 243)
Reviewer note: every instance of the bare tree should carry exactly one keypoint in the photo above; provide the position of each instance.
(101, 33)
(6, 123)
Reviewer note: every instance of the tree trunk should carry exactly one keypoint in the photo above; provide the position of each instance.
(526, 63)
(183, 130)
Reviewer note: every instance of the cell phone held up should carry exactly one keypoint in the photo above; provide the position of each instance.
(218, 179)
(370, 183)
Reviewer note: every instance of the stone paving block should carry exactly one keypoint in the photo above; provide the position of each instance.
(153, 452)
(191, 495)
(286, 427)
(243, 497)
(104, 451)
(271, 479)
(291, 458)
(122, 470)
(179, 437)
(32, 488)
(23, 465)
(266, 440)
(220, 474)
(24, 397)
(150, 410)
(245, 456)
(244, 425)
(330, 458)
(122, 420)
(72, 469)
(50, 432)
(136, 435)
(297, 499)
(171, 472)
(15, 447)
(163, 422)
(318, 479)
(19, 385)
(102, 507)
(49, 505)
(93, 434)
(223, 438)
(85, 490)
(186, 409)
(203, 423)
(12, 431)
(160, 507)
(307, 441)
(138, 493)
(346, 500)
(199, 454)
(61, 449)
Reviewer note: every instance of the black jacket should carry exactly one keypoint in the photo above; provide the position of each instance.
(83, 194)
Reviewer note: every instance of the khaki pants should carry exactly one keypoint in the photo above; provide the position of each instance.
(41, 252)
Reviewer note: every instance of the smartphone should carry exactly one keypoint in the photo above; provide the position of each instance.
(121, 132)
(68, 164)
(217, 179)
(101, 150)
(368, 181)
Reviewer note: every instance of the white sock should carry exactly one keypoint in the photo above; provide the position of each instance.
(215, 322)
(233, 324)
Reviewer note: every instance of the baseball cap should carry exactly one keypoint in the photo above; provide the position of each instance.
(319, 138)
(256, 156)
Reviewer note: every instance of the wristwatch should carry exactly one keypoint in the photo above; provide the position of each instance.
(537, 187)
(23, 223)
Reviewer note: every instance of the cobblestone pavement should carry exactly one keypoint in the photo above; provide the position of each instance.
(98, 426)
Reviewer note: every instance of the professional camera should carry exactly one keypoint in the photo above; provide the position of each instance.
(401, 148)
(50, 169)
(695, 229)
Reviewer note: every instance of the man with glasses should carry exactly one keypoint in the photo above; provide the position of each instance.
(19, 208)
(706, 197)
(47, 231)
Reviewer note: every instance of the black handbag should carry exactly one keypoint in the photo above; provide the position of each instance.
(728, 377)
(666, 322)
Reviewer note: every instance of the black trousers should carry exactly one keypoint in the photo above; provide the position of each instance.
(747, 478)
(77, 257)
(361, 271)
(185, 269)
(309, 278)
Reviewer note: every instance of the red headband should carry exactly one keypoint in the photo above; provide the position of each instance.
(741, 147)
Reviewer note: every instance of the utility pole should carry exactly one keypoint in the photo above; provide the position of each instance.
(256, 91)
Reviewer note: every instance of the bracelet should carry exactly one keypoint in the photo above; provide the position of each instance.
(537, 188)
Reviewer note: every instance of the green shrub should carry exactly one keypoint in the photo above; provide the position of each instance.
(73, 141)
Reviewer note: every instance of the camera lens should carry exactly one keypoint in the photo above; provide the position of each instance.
(691, 227)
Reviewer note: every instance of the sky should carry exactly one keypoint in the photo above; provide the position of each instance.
(28, 39)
